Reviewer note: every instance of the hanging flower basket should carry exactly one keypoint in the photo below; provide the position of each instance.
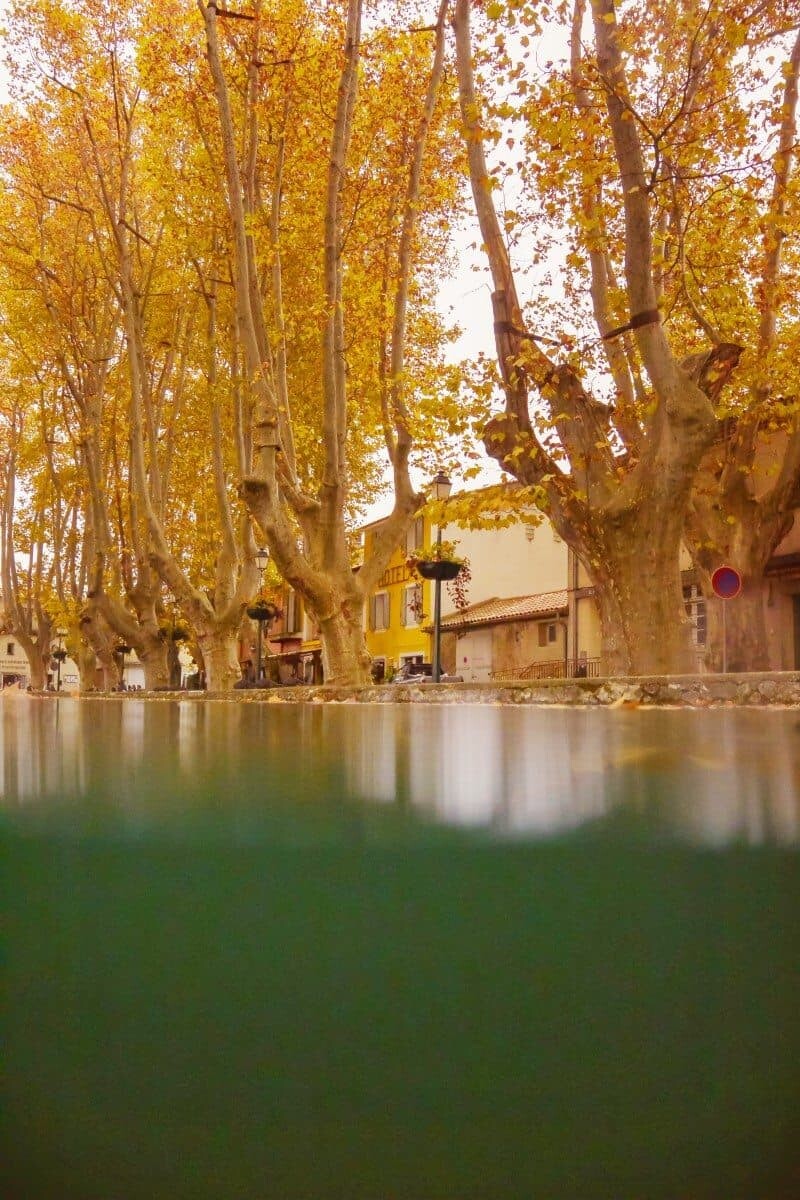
(438, 570)
(60, 655)
(263, 610)
(174, 633)
(123, 648)
(440, 562)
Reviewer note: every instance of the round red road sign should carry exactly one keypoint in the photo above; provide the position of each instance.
(726, 582)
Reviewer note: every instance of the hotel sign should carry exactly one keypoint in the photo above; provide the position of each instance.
(394, 575)
(18, 665)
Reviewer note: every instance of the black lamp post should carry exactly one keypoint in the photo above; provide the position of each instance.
(441, 490)
(262, 558)
(122, 649)
(59, 654)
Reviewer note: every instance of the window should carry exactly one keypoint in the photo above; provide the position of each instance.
(695, 605)
(294, 612)
(412, 604)
(415, 535)
(548, 632)
(379, 611)
(10, 649)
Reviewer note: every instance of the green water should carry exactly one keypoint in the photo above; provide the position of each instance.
(399, 954)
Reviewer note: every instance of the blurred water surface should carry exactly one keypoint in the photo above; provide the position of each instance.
(712, 777)
(401, 952)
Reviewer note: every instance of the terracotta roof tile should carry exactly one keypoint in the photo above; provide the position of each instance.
(495, 611)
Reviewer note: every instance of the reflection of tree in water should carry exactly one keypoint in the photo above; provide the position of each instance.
(402, 760)
(549, 773)
(544, 771)
(715, 776)
(456, 763)
(370, 747)
(712, 777)
(765, 805)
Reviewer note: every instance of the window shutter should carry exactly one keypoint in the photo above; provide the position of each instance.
(379, 608)
(415, 534)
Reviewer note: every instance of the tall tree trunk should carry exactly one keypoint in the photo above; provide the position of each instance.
(36, 648)
(745, 631)
(643, 621)
(37, 662)
(139, 629)
(737, 529)
(86, 661)
(100, 641)
(152, 654)
(220, 658)
(83, 655)
(632, 562)
(173, 665)
(345, 658)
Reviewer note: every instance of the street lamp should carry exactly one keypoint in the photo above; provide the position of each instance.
(122, 649)
(262, 558)
(59, 654)
(441, 490)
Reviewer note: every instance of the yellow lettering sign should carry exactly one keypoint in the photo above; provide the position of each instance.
(394, 575)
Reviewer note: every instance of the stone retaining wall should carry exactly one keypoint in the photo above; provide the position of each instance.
(695, 691)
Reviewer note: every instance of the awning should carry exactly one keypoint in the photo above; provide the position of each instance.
(783, 566)
(307, 651)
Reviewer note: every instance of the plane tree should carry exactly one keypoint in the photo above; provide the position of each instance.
(135, 376)
(270, 311)
(330, 382)
(737, 275)
(26, 566)
(609, 427)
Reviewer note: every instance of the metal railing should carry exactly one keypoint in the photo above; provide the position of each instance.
(553, 668)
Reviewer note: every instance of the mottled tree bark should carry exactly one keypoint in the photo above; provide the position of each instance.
(621, 498)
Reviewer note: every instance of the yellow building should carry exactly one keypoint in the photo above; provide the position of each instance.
(530, 605)
(401, 605)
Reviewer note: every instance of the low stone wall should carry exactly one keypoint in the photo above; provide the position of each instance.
(694, 691)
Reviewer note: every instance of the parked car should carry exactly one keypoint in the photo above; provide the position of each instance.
(412, 672)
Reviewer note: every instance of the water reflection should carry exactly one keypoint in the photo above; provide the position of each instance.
(718, 776)
(713, 777)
